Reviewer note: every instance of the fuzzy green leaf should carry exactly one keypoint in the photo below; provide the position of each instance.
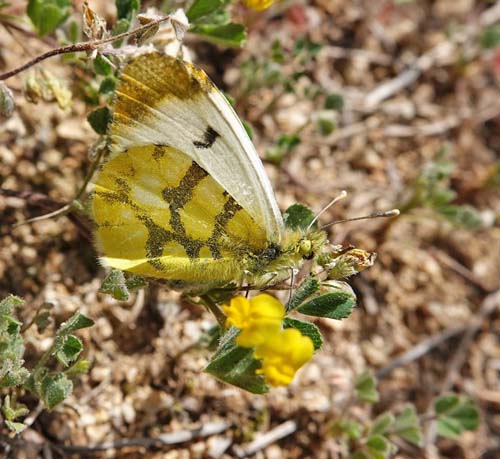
(76, 322)
(448, 428)
(134, 282)
(68, 350)
(309, 287)
(334, 102)
(115, 284)
(127, 8)
(99, 119)
(8, 304)
(333, 305)
(325, 126)
(366, 388)
(378, 447)
(56, 389)
(102, 66)
(382, 424)
(455, 414)
(227, 34)
(79, 368)
(298, 217)
(201, 8)
(16, 427)
(446, 403)
(108, 85)
(235, 365)
(353, 429)
(47, 15)
(406, 426)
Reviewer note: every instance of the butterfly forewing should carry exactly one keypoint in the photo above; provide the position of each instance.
(162, 100)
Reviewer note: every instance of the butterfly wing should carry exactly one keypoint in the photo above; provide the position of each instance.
(162, 100)
(159, 214)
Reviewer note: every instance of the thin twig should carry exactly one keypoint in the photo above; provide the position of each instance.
(214, 309)
(166, 439)
(422, 348)
(79, 47)
(279, 432)
(428, 59)
(488, 306)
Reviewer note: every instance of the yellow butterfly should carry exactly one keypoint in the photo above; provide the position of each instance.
(184, 195)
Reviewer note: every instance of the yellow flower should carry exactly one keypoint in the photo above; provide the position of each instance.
(282, 355)
(257, 318)
(258, 4)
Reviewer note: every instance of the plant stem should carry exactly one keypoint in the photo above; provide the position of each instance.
(78, 47)
(215, 310)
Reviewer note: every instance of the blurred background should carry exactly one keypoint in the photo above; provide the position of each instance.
(396, 102)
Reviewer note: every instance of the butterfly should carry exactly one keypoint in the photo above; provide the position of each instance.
(184, 195)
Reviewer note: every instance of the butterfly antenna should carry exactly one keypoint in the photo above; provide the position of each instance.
(341, 196)
(387, 213)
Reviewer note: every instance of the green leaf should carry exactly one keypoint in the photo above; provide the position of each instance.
(56, 389)
(79, 368)
(306, 329)
(99, 119)
(227, 34)
(75, 322)
(353, 430)
(309, 287)
(378, 447)
(446, 403)
(134, 282)
(121, 26)
(455, 414)
(289, 141)
(47, 15)
(8, 304)
(115, 285)
(108, 85)
(235, 365)
(127, 8)
(333, 305)
(412, 435)
(406, 426)
(334, 102)
(74, 32)
(68, 350)
(448, 428)
(465, 216)
(382, 424)
(13, 410)
(16, 427)
(201, 8)
(42, 321)
(325, 127)
(298, 217)
(102, 66)
(366, 388)
(490, 37)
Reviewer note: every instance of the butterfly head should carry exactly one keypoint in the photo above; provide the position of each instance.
(306, 245)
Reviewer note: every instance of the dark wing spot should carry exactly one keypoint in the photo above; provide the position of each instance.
(209, 137)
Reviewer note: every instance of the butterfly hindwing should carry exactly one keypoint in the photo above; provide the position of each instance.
(160, 214)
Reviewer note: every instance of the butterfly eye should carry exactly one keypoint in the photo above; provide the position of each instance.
(305, 249)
